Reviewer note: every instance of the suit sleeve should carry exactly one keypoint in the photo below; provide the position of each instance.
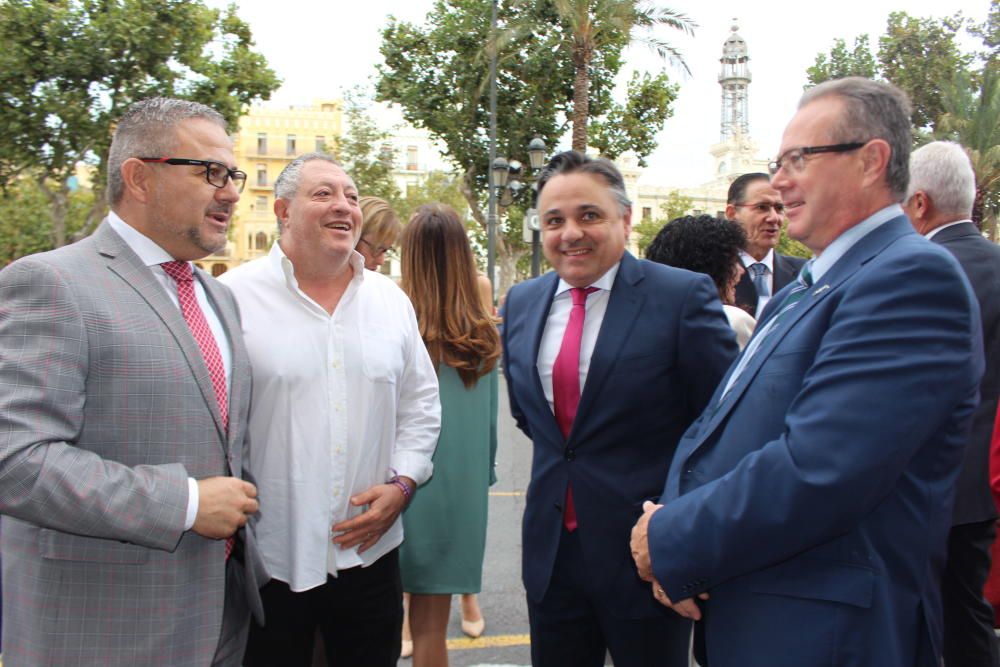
(515, 409)
(901, 358)
(708, 344)
(44, 477)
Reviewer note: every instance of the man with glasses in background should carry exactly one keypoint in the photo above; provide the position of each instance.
(124, 393)
(805, 514)
(758, 208)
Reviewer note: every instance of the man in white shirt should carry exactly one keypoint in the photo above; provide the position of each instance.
(939, 204)
(757, 207)
(344, 420)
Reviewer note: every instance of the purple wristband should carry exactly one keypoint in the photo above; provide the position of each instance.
(407, 493)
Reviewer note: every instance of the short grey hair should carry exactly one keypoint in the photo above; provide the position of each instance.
(943, 170)
(873, 110)
(288, 180)
(573, 162)
(147, 129)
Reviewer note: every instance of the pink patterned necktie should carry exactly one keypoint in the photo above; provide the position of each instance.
(195, 318)
(566, 381)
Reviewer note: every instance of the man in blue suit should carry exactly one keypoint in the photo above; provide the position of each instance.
(608, 359)
(811, 500)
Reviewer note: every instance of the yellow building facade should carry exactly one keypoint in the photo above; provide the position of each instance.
(268, 138)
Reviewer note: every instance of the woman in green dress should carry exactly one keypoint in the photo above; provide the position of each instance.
(445, 525)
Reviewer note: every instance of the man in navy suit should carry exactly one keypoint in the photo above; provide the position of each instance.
(939, 204)
(757, 207)
(811, 500)
(608, 359)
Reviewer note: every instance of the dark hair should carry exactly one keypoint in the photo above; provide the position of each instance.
(573, 162)
(738, 188)
(700, 243)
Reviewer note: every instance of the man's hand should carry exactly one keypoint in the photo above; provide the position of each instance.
(687, 607)
(640, 541)
(385, 502)
(223, 506)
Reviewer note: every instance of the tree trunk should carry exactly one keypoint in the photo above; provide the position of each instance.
(58, 204)
(581, 97)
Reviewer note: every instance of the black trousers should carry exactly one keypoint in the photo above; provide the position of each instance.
(359, 613)
(968, 618)
(570, 627)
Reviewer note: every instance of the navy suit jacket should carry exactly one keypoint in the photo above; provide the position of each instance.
(662, 348)
(814, 501)
(980, 259)
(786, 269)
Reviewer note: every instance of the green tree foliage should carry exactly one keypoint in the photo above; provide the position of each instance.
(365, 150)
(840, 62)
(589, 27)
(789, 246)
(26, 221)
(644, 231)
(627, 128)
(69, 68)
(438, 74)
(437, 187)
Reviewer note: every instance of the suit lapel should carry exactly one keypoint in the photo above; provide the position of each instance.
(123, 261)
(846, 267)
(238, 391)
(534, 326)
(624, 304)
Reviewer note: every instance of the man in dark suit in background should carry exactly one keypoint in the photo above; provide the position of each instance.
(812, 500)
(603, 385)
(757, 206)
(939, 204)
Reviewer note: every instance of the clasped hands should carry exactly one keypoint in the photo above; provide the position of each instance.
(687, 607)
(385, 502)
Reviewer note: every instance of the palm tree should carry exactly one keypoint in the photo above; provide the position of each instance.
(594, 24)
(972, 118)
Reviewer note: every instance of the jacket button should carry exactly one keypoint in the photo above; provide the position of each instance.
(570, 455)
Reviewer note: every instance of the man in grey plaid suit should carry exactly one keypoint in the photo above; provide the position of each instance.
(122, 439)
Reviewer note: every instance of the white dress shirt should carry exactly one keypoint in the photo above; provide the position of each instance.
(555, 327)
(768, 263)
(152, 255)
(339, 402)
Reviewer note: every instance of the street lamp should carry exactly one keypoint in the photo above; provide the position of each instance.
(510, 181)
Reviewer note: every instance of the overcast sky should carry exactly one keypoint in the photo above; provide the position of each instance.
(321, 49)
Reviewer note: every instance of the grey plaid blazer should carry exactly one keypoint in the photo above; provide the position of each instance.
(106, 408)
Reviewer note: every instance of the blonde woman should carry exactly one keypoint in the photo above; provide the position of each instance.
(379, 232)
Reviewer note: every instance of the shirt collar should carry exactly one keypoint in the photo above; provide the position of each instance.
(846, 241)
(749, 260)
(605, 282)
(929, 235)
(282, 268)
(146, 248)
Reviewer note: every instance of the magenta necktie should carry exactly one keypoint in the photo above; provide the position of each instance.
(566, 381)
(195, 318)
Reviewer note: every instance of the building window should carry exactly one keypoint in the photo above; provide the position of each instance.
(218, 270)
(321, 144)
(261, 174)
(647, 213)
(290, 145)
(261, 204)
(411, 158)
(262, 144)
(261, 241)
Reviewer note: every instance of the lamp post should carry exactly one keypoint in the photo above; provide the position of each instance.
(491, 220)
(509, 182)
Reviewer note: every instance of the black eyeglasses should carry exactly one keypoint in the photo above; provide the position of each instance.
(376, 249)
(764, 207)
(794, 159)
(216, 173)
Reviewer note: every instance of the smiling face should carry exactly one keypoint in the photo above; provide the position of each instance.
(584, 230)
(757, 215)
(822, 199)
(188, 216)
(322, 221)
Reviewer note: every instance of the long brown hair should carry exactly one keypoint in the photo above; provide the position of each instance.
(439, 276)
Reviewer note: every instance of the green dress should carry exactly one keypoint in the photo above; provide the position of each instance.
(444, 528)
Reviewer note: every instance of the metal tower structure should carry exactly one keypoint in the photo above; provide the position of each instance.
(734, 77)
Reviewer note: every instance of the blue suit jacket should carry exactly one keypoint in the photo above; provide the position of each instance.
(813, 502)
(662, 348)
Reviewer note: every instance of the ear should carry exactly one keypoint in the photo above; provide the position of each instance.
(137, 177)
(627, 220)
(875, 160)
(730, 212)
(281, 211)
